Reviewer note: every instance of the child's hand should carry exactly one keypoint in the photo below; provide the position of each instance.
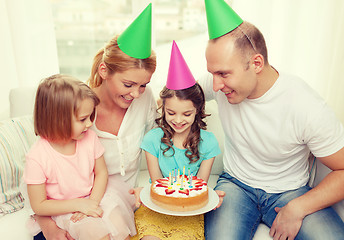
(78, 216)
(221, 195)
(136, 192)
(89, 207)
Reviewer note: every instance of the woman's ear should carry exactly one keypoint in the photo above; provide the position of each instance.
(102, 70)
(258, 62)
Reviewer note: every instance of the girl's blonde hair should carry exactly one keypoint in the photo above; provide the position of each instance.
(58, 97)
(117, 61)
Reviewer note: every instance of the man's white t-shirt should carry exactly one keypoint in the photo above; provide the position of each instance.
(268, 139)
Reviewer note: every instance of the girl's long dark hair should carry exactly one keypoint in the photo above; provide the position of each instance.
(196, 95)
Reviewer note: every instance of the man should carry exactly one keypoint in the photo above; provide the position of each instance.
(272, 121)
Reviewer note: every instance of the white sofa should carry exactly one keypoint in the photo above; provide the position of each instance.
(16, 136)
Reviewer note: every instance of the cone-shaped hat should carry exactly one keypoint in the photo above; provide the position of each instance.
(136, 40)
(221, 18)
(179, 75)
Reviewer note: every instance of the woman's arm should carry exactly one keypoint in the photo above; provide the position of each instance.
(153, 167)
(205, 169)
(100, 180)
(44, 207)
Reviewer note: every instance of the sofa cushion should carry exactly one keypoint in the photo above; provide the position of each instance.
(16, 137)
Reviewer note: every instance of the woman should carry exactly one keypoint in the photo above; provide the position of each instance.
(126, 111)
(127, 107)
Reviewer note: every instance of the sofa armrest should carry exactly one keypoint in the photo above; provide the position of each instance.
(13, 226)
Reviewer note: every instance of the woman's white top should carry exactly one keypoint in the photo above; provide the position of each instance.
(122, 151)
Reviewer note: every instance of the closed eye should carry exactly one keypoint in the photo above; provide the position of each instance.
(83, 119)
(223, 75)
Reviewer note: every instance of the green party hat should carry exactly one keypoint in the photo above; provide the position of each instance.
(136, 40)
(221, 18)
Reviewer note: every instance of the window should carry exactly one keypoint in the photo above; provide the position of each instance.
(82, 27)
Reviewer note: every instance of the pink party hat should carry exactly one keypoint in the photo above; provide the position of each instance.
(179, 75)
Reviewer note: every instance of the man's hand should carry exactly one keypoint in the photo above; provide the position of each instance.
(287, 223)
(136, 192)
(221, 195)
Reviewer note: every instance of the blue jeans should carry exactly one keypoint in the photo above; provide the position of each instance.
(244, 208)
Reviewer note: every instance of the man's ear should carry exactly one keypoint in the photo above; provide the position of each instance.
(102, 70)
(258, 62)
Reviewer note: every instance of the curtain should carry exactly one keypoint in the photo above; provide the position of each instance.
(27, 46)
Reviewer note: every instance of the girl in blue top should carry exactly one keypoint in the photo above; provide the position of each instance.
(180, 140)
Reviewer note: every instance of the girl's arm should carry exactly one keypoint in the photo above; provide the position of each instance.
(153, 167)
(205, 169)
(44, 207)
(99, 186)
(100, 180)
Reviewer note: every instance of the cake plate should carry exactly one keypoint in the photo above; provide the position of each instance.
(146, 200)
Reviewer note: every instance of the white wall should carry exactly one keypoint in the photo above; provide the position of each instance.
(27, 46)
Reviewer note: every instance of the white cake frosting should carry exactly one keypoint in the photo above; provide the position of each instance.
(193, 190)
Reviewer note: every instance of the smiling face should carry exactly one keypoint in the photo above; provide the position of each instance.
(233, 73)
(81, 120)
(123, 87)
(179, 114)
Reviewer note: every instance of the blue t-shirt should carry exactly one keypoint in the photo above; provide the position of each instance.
(208, 148)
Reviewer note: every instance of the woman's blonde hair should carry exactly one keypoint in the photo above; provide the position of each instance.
(58, 98)
(117, 61)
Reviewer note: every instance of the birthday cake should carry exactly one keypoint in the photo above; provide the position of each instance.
(181, 193)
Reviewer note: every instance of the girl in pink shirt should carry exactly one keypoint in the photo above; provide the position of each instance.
(65, 171)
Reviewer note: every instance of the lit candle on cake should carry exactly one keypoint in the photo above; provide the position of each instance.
(182, 184)
(183, 171)
(170, 181)
(190, 182)
(178, 179)
(189, 175)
